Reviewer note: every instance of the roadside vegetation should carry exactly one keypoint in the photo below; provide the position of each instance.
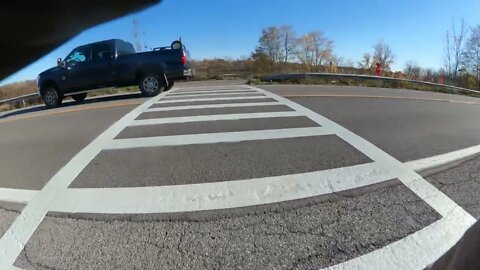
(281, 50)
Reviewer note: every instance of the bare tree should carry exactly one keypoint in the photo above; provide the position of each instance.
(471, 55)
(366, 62)
(454, 46)
(270, 43)
(412, 70)
(314, 49)
(288, 39)
(138, 37)
(383, 54)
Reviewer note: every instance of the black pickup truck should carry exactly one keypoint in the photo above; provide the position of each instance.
(113, 63)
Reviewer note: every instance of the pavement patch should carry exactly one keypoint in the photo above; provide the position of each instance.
(194, 112)
(202, 163)
(205, 102)
(215, 126)
(311, 236)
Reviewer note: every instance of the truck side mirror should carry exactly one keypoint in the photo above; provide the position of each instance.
(60, 62)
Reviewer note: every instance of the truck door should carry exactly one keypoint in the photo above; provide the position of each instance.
(76, 62)
(100, 68)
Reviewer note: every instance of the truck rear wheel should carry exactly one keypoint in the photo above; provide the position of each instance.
(79, 97)
(150, 85)
(51, 97)
(170, 85)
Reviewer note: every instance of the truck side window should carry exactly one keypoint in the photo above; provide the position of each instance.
(101, 52)
(78, 55)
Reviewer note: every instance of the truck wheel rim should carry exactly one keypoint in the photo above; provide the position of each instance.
(150, 84)
(50, 96)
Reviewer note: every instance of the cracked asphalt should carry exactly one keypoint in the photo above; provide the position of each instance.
(300, 234)
(315, 234)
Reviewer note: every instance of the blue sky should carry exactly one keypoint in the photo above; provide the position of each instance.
(414, 29)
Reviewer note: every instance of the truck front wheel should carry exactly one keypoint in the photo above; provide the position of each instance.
(170, 85)
(150, 85)
(51, 97)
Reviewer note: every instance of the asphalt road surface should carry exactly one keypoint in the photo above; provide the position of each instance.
(222, 175)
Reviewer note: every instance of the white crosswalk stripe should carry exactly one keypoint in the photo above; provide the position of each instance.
(56, 196)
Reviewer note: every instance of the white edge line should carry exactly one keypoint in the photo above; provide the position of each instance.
(200, 88)
(220, 137)
(207, 99)
(219, 195)
(200, 118)
(443, 159)
(211, 106)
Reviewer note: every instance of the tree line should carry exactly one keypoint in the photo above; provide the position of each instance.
(281, 49)
(313, 50)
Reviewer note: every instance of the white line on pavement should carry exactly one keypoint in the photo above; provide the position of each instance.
(16, 237)
(219, 195)
(209, 95)
(212, 106)
(16, 195)
(236, 136)
(427, 192)
(24, 195)
(216, 117)
(417, 250)
(208, 99)
(208, 88)
(179, 94)
(444, 159)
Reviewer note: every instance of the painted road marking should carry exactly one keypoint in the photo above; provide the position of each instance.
(16, 195)
(24, 195)
(219, 195)
(444, 159)
(13, 241)
(212, 106)
(417, 250)
(208, 99)
(427, 192)
(209, 88)
(176, 93)
(171, 97)
(221, 137)
(215, 117)
(15, 238)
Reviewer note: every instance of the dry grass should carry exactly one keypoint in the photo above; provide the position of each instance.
(17, 89)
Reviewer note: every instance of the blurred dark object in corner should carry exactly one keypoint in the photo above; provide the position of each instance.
(465, 255)
(32, 29)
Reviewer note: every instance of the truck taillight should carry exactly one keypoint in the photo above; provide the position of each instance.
(184, 59)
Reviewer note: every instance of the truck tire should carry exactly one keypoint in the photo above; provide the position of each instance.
(51, 97)
(170, 85)
(79, 97)
(151, 85)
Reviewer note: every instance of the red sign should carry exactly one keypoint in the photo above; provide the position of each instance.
(378, 69)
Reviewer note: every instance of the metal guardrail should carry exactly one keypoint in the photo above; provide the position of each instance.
(19, 99)
(280, 77)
